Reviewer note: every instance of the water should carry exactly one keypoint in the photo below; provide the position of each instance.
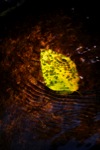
(33, 116)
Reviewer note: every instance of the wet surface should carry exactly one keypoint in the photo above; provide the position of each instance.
(33, 116)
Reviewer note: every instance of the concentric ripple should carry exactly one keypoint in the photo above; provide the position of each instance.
(34, 109)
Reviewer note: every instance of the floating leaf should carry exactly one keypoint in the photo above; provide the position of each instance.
(59, 72)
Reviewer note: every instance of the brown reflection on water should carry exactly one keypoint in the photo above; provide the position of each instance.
(32, 112)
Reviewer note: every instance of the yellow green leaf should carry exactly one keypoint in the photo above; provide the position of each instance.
(59, 72)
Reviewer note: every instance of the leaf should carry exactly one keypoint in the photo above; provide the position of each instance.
(59, 72)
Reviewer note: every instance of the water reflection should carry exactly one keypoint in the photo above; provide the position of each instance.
(35, 117)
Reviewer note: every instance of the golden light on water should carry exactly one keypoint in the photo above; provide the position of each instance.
(40, 64)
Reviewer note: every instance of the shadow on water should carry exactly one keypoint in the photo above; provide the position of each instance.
(33, 116)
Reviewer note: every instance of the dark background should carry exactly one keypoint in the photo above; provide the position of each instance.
(87, 12)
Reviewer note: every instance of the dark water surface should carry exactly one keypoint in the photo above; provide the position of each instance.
(33, 117)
